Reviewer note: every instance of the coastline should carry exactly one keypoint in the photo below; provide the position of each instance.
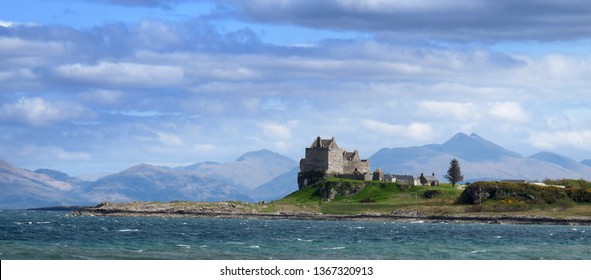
(226, 210)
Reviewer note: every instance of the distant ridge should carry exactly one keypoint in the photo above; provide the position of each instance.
(559, 160)
(474, 148)
(265, 175)
(204, 181)
(479, 159)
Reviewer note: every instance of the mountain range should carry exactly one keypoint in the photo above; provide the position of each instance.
(265, 175)
(479, 159)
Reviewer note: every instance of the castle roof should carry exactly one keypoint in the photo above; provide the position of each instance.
(324, 143)
(351, 155)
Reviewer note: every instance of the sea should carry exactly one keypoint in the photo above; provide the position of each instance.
(49, 235)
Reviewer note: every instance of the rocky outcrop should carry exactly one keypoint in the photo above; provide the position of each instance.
(329, 190)
(238, 210)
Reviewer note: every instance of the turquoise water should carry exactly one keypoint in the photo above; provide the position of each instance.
(56, 235)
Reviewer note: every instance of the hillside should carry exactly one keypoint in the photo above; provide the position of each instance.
(146, 182)
(249, 170)
(482, 200)
(257, 173)
(21, 188)
(479, 159)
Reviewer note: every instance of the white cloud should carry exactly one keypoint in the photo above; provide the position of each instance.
(6, 23)
(38, 111)
(52, 152)
(131, 74)
(560, 139)
(509, 111)
(276, 131)
(101, 96)
(443, 109)
(417, 131)
(170, 139)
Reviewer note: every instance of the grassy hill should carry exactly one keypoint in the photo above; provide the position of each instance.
(342, 196)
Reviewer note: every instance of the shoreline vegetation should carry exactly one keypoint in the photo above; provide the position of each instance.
(351, 200)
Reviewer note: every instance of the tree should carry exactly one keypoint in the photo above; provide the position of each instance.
(454, 174)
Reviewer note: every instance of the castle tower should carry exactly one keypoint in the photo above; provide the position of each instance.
(325, 158)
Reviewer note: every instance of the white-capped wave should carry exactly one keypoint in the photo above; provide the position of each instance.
(305, 240)
(183, 246)
(477, 251)
(128, 230)
(334, 248)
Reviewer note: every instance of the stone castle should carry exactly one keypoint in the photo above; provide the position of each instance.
(324, 158)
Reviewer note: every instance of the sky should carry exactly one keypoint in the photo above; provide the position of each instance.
(100, 85)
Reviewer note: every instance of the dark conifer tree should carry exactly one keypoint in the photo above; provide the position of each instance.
(454, 174)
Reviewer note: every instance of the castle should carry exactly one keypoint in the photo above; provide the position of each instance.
(324, 158)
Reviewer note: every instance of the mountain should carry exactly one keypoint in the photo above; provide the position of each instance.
(561, 161)
(205, 181)
(264, 175)
(277, 188)
(21, 188)
(479, 159)
(147, 182)
(474, 148)
(61, 176)
(249, 170)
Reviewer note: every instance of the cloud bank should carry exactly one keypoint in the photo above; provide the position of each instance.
(212, 87)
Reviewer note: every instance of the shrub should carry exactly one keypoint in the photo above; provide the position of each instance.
(368, 200)
(479, 192)
(428, 194)
(579, 195)
(570, 183)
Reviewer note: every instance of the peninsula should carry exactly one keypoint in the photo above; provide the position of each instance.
(379, 201)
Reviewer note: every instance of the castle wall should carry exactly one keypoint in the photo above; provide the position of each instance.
(362, 166)
(335, 161)
(316, 159)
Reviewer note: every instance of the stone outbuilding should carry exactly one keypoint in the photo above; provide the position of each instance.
(429, 180)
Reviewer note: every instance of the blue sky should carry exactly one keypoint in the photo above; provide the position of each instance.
(100, 85)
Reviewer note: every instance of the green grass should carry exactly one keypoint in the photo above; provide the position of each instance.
(375, 197)
(384, 198)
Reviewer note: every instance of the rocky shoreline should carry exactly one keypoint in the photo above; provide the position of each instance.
(228, 210)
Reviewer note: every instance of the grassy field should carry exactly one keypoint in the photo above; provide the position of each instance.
(387, 198)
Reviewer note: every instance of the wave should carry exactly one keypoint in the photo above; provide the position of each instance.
(128, 230)
(334, 248)
(476, 252)
(305, 240)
